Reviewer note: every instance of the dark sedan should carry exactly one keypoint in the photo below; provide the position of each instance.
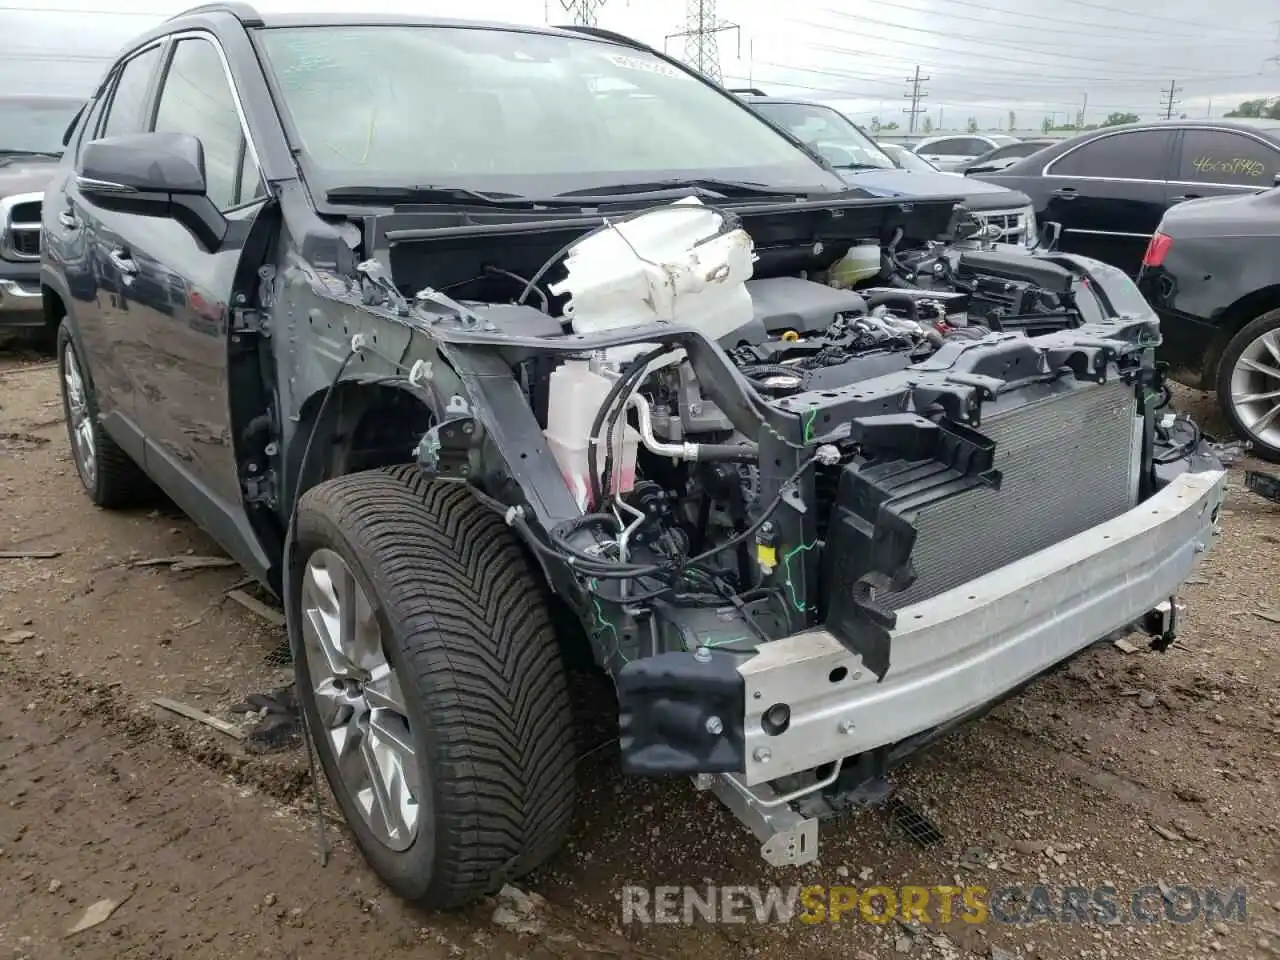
(1212, 272)
(1110, 187)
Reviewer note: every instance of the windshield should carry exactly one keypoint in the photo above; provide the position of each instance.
(34, 125)
(505, 110)
(829, 131)
(908, 160)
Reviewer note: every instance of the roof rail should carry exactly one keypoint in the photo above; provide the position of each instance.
(243, 12)
(749, 91)
(603, 34)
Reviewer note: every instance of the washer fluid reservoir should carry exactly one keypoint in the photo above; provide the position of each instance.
(679, 263)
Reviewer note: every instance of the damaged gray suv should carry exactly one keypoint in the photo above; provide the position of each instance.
(557, 343)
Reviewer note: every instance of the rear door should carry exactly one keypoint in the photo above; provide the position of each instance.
(1109, 194)
(1216, 162)
(182, 334)
(101, 288)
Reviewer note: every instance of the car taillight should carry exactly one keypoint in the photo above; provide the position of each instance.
(1157, 250)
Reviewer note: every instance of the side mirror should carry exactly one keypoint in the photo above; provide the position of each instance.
(152, 175)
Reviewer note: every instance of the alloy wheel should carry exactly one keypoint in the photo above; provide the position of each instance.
(79, 420)
(1255, 388)
(359, 700)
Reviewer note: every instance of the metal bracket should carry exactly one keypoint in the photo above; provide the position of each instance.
(786, 837)
(260, 488)
(1162, 623)
(246, 320)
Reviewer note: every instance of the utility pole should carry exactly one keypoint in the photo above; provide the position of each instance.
(915, 96)
(1169, 100)
(1084, 109)
(701, 46)
(583, 13)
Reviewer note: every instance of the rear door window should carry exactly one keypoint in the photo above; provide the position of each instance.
(953, 147)
(1228, 158)
(1138, 155)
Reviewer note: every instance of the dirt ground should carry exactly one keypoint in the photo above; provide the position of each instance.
(1132, 769)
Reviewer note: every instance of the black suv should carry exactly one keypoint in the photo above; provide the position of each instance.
(450, 332)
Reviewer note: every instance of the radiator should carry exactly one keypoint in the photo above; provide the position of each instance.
(1068, 463)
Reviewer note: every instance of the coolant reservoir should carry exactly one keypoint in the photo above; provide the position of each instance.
(862, 262)
(575, 395)
(677, 263)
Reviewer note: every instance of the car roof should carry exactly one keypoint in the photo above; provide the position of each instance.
(1239, 123)
(250, 17)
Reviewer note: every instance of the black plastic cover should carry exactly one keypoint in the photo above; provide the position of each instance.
(665, 703)
(907, 463)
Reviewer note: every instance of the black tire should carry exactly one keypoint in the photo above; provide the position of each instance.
(1252, 331)
(467, 631)
(114, 480)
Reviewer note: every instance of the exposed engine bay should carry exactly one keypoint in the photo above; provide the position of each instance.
(754, 443)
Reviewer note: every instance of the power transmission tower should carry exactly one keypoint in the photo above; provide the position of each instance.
(701, 40)
(915, 96)
(583, 13)
(1169, 101)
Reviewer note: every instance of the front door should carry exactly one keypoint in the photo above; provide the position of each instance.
(180, 299)
(1110, 193)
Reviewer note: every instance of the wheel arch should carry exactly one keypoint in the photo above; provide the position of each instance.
(1232, 320)
(334, 430)
(364, 423)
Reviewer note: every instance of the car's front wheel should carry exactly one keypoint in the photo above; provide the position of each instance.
(1249, 384)
(109, 475)
(432, 683)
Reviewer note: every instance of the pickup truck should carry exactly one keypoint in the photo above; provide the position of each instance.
(504, 379)
(31, 132)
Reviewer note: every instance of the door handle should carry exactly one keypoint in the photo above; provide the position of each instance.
(68, 220)
(1186, 196)
(1066, 193)
(121, 260)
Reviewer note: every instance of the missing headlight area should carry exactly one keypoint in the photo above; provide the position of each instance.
(819, 490)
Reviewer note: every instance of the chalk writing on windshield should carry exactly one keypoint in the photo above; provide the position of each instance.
(1232, 166)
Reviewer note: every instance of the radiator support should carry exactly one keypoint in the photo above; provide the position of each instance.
(929, 506)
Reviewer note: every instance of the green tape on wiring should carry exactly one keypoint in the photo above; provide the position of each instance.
(808, 424)
(603, 622)
(800, 606)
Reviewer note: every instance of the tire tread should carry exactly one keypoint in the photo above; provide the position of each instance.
(475, 629)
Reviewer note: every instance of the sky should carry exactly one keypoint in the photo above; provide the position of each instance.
(983, 58)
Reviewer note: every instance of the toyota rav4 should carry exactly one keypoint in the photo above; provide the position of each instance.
(555, 340)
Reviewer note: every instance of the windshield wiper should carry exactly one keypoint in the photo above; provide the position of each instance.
(861, 166)
(424, 194)
(7, 152)
(710, 186)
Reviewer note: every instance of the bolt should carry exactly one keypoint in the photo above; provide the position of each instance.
(702, 655)
(762, 755)
(846, 727)
(715, 726)
(271, 450)
(467, 428)
(767, 527)
(695, 409)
